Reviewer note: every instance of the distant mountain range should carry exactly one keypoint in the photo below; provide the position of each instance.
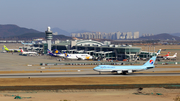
(63, 32)
(13, 30)
(163, 36)
(38, 35)
(81, 31)
(60, 31)
(176, 34)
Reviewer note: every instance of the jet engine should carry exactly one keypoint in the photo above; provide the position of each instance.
(130, 71)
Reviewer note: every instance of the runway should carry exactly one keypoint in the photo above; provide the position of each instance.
(81, 74)
(14, 62)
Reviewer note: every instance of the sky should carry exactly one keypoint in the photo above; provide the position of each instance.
(145, 16)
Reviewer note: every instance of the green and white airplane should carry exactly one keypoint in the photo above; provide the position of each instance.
(11, 50)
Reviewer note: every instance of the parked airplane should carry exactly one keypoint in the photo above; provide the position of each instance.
(50, 53)
(28, 43)
(158, 52)
(171, 57)
(58, 54)
(28, 53)
(152, 53)
(11, 50)
(162, 56)
(78, 56)
(126, 69)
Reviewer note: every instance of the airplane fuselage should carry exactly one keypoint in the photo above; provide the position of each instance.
(110, 68)
(78, 56)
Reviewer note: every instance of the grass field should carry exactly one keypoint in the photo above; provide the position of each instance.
(89, 80)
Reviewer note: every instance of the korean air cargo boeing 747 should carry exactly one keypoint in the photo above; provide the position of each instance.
(126, 69)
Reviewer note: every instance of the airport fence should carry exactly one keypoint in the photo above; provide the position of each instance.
(168, 63)
(91, 63)
(107, 63)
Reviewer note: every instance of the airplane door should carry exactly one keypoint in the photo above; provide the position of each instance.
(102, 67)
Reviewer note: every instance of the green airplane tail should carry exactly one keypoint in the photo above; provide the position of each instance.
(6, 48)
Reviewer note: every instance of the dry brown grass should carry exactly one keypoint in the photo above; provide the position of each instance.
(158, 72)
(43, 71)
(166, 66)
(89, 80)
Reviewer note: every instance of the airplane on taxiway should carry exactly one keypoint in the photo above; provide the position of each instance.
(126, 69)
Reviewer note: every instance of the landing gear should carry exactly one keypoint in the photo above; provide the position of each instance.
(99, 73)
(124, 73)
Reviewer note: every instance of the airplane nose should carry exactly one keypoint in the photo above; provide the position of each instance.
(95, 69)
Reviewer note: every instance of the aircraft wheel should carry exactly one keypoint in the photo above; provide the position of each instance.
(124, 73)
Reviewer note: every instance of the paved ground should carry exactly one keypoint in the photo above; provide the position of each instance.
(15, 62)
(81, 74)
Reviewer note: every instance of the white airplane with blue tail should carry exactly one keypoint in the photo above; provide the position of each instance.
(78, 56)
(28, 44)
(55, 54)
(126, 69)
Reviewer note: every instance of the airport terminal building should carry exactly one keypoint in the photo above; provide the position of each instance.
(98, 50)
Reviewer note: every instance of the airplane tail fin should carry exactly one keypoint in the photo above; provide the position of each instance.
(5, 48)
(175, 55)
(167, 54)
(48, 51)
(150, 62)
(33, 42)
(22, 50)
(57, 52)
(22, 43)
(159, 52)
(66, 55)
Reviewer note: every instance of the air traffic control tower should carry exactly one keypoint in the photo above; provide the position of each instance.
(49, 37)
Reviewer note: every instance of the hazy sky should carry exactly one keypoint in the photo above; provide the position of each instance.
(145, 16)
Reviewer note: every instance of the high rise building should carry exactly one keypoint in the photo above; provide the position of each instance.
(136, 35)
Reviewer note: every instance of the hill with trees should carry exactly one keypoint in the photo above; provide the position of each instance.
(13, 30)
(163, 36)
